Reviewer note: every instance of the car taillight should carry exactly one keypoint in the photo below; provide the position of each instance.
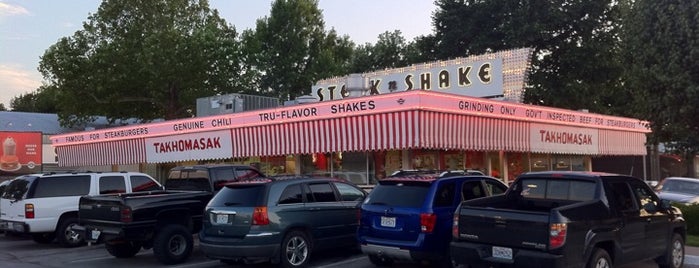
(557, 235)
(29, 211)
(455, 226)
(126, 215)
(427, 222)
(259, 216)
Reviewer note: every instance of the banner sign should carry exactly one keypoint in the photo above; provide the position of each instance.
(21, 152)
(186, 147)
(555, 139)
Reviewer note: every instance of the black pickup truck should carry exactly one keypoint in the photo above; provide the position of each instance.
(164, 220)
(569, 219)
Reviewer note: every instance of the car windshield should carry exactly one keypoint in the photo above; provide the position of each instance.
(680, 186)
(398, 194)
(239, 195)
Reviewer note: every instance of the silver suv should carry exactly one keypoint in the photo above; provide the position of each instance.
(46, 205)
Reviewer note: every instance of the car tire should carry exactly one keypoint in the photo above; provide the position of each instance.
(173, 244)
(66, 236)
(380, 261)
(295, 250)
(44, 238)
(123, 250)
(674, 257)
(600, 259)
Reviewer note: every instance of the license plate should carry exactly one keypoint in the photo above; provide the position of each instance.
(95, 234)
(502, 253)
(388, 221)
(221, 218)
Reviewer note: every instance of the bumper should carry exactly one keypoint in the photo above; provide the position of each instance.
(260, 246)
(14, 226)
(478, 254)
(231, 252)
(387, 252)
(106, 233)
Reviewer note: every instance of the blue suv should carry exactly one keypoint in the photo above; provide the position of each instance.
(409, 218)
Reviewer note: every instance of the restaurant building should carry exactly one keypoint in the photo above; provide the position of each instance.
(459, 114)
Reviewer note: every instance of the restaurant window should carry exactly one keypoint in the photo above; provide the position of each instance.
(561, 163)
(539, 162)
(517, 164)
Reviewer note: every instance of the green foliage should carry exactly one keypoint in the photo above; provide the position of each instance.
(575, 63)
(662, 53)
(691, 216)
(143, 59)
(2, 107)
(41, 101)
(292, 51)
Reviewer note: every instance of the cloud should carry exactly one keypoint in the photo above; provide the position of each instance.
(14, 82)
(7, 10)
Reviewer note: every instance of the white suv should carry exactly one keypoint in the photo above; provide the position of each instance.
(46, 205)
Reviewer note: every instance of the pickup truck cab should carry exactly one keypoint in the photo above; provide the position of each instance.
(163, 220)
(569, 219)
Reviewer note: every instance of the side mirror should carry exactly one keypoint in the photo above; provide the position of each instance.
(651, 208)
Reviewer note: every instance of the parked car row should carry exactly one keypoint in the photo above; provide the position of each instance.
(242, 216)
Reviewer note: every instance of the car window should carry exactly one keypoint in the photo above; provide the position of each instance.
(322, 192)
(61, 186)
(239, 196)
(143, 184)
(643, 194)
(17, 188)
(188, 180)
(112, 184)
(247, 173)
(222, 176)
(398, 194)
(291, 195)
(471, 190)
(558, 189)
(620, 194)
(494, 187)
(444, 196)
(348, 192)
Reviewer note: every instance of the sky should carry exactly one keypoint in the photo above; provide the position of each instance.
(29, 27)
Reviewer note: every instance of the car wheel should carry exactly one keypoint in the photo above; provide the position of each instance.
(123, 250)
(674, 257)
(66, 236)
(380, 261)
(43, 238)
(296, 250)
(173, 244)
(600, 259)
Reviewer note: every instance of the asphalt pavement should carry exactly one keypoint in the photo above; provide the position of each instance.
(691, 256)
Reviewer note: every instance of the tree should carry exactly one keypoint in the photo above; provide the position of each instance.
(43, 100)
(293, 51)
(565, 35)
(662, 45)
(2, 107)
(143, 59)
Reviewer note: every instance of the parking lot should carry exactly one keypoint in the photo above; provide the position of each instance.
(22, 252)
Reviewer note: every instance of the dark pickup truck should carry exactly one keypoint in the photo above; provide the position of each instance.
(164, 220)
(569, 219)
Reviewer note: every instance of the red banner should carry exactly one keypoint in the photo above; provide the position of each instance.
(20, 152)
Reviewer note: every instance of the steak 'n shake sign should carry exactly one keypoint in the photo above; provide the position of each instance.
(498, 76)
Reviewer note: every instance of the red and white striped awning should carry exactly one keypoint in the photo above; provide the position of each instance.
(613, 142)
(388, 131)
(104, 153)
(373, 132)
